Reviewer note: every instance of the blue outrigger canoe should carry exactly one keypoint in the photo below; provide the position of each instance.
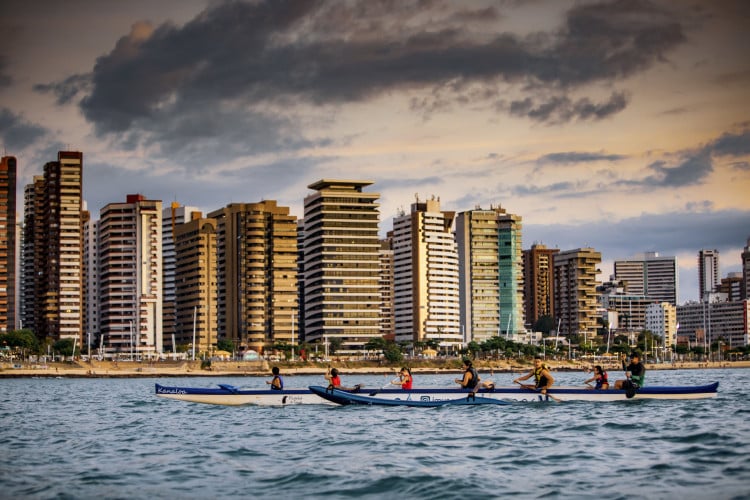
(348, 398)
(226, 394)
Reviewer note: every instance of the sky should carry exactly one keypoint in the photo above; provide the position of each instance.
(618, 125)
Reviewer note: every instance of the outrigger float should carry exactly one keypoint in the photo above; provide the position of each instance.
(230, 395)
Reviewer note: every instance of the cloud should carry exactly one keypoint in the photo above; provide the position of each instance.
(579, 157)
(16, 133)
(267, 58)
(67, 90)
(668, 233)
(561, 109)
(698, 164)
(676, 234)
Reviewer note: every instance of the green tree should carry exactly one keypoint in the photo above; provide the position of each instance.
(23, 339)
(225, 345)
(65, 347)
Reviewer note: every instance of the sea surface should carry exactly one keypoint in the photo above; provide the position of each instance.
(113, 438)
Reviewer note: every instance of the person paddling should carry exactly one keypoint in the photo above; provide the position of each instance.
(470, 380)
(277, 383)
(542, 377)
(404, 379)
(635, 372)
(600, 378)
(334, 381)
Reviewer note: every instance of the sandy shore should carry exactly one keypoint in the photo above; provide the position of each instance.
(127, 369)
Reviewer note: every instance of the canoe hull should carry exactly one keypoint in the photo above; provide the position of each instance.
(228, 395)
(348, 398)
(232, 396)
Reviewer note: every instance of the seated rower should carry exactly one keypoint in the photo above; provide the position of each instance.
(600, 378)
(334, 381)
(635, 372)
(542, 377)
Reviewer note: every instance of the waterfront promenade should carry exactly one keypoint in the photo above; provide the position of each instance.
(133, 369)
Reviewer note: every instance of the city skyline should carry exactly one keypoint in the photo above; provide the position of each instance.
(622, 126)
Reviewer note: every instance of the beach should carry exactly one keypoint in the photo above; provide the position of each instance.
(133, 369)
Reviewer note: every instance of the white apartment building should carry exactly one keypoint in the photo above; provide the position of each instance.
(661, 320)
(426, 288)
(130, 277)
(708, 273)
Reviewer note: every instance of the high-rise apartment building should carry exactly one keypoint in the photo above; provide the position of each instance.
(130, 277)
(171, 217)
(746, 271)
(53, 250)
(711, 321)
(649, 275)
(91, 286)
(708, 273)
(425, 274)
(387, 320)
(32, 239)
(490, 273)
(511, 273)
(661, 320)
(575, 290)
(341, 265)
(538, 283)
(194, 291)
(7, 244)
(256, 274)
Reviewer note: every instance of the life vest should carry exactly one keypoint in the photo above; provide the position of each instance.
(541, 380)
(474, 378)
(406, 384)
(601, 380)
(281, 383)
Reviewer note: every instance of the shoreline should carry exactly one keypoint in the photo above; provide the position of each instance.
(136, 369)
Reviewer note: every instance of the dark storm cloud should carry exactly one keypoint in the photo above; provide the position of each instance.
(267, 56)
(16, 133)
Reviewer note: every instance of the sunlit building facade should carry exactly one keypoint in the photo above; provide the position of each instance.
(256, 247)
(341, 265)
(426, 288)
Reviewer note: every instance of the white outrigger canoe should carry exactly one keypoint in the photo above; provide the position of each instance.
(229, 395)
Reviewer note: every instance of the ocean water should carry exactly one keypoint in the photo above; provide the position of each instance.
(113, 438)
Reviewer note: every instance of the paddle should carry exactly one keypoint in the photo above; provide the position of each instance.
(375, 391)
(629, 386)
(532, 388)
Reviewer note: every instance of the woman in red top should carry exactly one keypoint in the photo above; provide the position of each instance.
(404, 378)
(334, 381)
(332, 376)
